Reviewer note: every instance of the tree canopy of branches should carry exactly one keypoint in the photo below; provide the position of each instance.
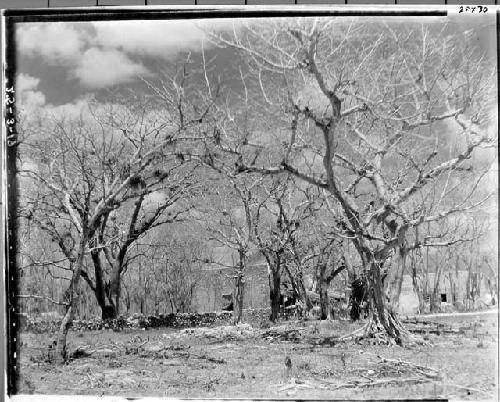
(97, 183)
(380, 116)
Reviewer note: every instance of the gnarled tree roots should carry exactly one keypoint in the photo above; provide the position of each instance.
(395, 334)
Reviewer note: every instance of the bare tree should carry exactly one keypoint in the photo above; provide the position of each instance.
(235, 209)
(317, 249)
(364, 106)
(70, 211)
(85, 170)
(277, 228)
(156, 204)
(176, 271)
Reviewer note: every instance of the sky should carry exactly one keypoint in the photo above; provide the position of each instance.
(61, 64)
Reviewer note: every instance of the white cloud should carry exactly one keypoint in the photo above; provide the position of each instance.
(55, 41)
(156, 38)
(76, 47)
(102, 54)
(26, 82)
(60, 42)
(32, 101)
(99, 68)
(28, 97)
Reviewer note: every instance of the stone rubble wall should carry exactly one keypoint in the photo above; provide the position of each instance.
(254, 317)
(136, 321)
(180, 320)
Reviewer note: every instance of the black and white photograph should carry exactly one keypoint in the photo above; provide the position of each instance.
(252, 203)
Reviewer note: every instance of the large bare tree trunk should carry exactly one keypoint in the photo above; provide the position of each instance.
(323, 301)
(324, 278)
(323, 292)
(61, 352)
(115, 289)
(239, 288)
(238, 297)
(108, 309)
(382, 316)
(303, 296)
(299, 289)
(71, 293)
(275, 292)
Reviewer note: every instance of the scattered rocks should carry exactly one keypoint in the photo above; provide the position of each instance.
(105, 353)
(222, 333)
(283, 334)
(153, 347)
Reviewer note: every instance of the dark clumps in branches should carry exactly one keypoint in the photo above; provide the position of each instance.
(124, 171)
(137, 182)
(160, 173)
(240, 168)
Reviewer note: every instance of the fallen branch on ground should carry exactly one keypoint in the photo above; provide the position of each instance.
(375, 383)
(210, 359)
(187, 355)
(424, 370)
(354, 333)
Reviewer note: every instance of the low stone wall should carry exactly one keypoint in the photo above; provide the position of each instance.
(180, 320)
(255, 317)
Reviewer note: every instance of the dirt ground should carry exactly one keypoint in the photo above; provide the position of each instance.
(291, 360)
